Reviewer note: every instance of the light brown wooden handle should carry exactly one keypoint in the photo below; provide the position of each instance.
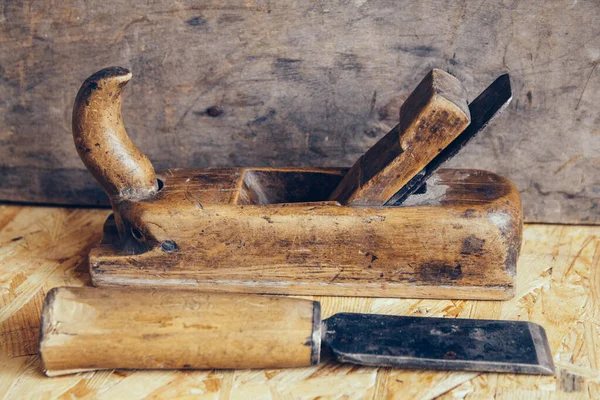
(109, 328)
(102, 142)
(434, 114)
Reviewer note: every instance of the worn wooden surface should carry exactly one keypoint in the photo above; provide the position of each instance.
(459, 240)
(268, 83)
(558, 281)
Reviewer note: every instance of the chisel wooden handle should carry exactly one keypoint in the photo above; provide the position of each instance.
(434, 114)
(88, 328)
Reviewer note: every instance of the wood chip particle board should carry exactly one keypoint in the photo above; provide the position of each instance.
(558, 287)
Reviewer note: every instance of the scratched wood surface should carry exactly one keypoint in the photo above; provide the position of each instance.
(558, 287)
(302, 83)
(459, 240)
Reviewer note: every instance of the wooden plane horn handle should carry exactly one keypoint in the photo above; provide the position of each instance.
(102, 142)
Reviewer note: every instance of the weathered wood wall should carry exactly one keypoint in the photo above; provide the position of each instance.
(271, 83)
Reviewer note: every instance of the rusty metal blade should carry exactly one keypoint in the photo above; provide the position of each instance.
(483, 109)
(439, 343)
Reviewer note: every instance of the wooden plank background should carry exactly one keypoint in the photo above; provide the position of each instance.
(301, 83)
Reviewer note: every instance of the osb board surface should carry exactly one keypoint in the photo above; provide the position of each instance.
(302, 83)
(558, 287)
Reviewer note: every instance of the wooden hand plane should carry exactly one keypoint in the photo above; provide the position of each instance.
(375, 229)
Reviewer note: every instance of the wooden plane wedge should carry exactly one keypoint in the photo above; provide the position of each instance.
(310, 230)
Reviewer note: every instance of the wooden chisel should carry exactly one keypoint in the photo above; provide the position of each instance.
(87, 328)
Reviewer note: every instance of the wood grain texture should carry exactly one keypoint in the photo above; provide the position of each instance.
(558, 276)
(86, 329)
(460, 239)
(302, 84)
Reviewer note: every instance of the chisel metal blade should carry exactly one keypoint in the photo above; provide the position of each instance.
(483, 109)
(438, 343)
